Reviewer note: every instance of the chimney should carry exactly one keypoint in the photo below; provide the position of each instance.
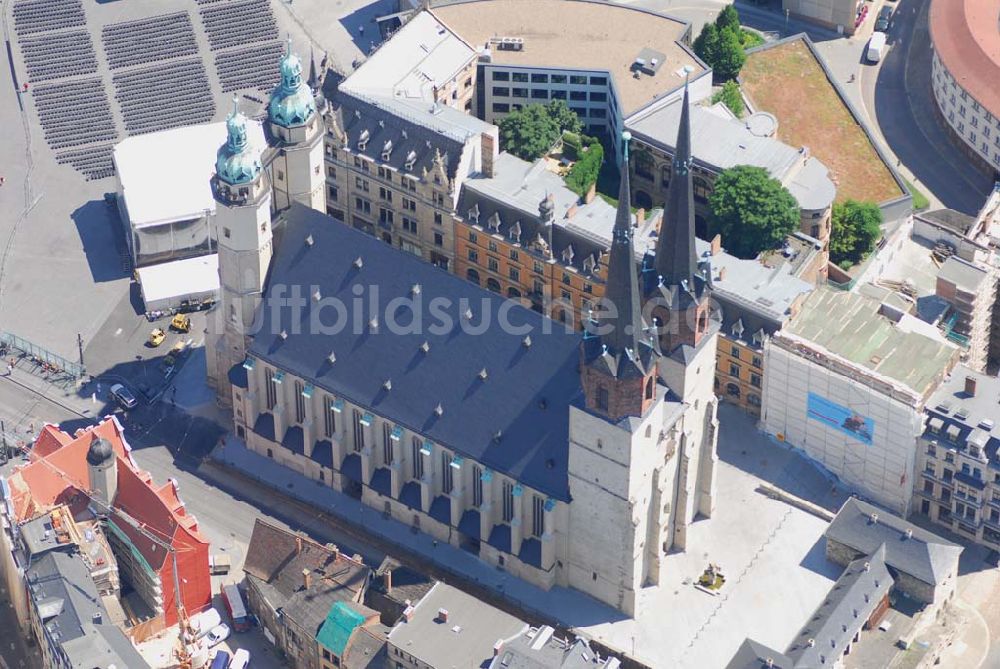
(298, 545)
(408, 613)
(873, 518)
(387, 581)
(716, 245)
(591, 194)
(497, 647)
(640, 217)
(97, 618)
(442, 616)
(868, 566)
(571, 212)
(489, 149)
(811, 642)
(909, 533)
(769, 662)
(722, 274)
(306, 579)
(970, 386)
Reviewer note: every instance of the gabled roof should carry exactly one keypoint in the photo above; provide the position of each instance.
(515, 420)
(923, 555)
(851, 601)
(754, 655)
(277, 561)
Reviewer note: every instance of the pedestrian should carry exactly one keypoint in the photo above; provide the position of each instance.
(10, 369)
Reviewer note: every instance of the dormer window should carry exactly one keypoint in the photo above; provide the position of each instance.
(474, 214)
(737, 328)
(515, 232)
(387, 150)
(589, 264)
(758, 337)
(568, 254)
(411, 159)
(363, 140)
(494, 222)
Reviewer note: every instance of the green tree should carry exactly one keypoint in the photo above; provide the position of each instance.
(730, 56)
(531, 131)
(728, 19)
(752, 211)
(856, 228)
(564, 117)
(584, 172)
(706, 45)
(730, 96)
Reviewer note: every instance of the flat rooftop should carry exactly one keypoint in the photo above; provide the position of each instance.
(563, 34)
(466, 638)
(166, 176)
(962, 274)
(850, 326)
(421, 56)
(788, 80)
(980, 406)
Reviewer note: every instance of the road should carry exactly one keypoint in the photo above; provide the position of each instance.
(897, 97)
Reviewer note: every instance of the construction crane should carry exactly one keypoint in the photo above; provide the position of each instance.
(184, 657)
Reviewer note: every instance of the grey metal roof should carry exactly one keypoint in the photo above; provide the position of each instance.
(924, 555)
(962, 274)
(977, 414)
(851, 601)
(61, 587)
(720, 141)
(514, 421)
(754, 655)
(39, 536)
(540, 648)
(466, 639)
(415, 132)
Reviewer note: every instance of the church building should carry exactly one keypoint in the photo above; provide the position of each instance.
(565, 458)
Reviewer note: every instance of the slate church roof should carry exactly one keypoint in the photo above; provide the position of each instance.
(500, 397)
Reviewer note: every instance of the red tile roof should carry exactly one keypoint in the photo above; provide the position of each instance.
(58, 473)
(966, 38)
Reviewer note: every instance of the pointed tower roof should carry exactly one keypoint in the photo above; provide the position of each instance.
(620, 325)
(237, 161)
(676, 260)
(292, 102)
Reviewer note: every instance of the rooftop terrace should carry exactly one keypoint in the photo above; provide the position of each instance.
(560, 34)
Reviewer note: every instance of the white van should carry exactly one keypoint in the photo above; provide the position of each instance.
(876, 47)
(241, 659)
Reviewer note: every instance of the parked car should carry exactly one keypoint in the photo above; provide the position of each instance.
(221, 660)
(217, 635)
(876, 47)
(241, 659)
(884, 20)
(123, 396)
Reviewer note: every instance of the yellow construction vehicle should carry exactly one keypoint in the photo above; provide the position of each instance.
(156, 337)
(181, 323)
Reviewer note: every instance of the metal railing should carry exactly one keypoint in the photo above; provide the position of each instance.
(55, 363)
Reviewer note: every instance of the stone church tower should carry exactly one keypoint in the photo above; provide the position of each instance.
(295, 125)
(642, 448)
(243, 230)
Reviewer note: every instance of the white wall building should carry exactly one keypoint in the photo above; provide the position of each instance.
(847, 385)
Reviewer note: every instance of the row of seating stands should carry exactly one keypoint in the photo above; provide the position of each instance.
(59, 55)
(35, 16)
(238, 23)
(149, 40)
(256, 67)
(164, 96)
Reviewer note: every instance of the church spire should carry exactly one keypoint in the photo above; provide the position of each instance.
(676, 260)
(621, 323)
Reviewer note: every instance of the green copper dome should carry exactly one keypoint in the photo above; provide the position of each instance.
(236, 161)
(291, 102)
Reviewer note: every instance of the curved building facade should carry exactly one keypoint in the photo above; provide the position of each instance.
(965, 35)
